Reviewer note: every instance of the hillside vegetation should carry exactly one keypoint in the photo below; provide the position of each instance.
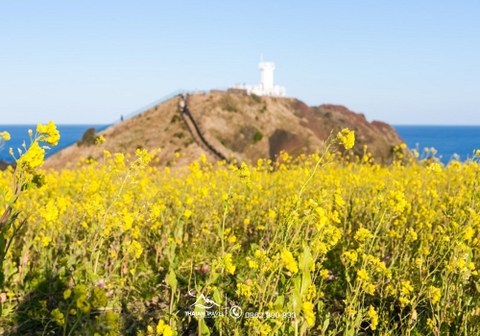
(247, 127)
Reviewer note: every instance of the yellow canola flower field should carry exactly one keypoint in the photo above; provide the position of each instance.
(310, 246)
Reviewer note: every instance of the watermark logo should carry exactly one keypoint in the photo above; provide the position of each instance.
(203, 301)
(235, 312)
(208, 308)
(204, 307)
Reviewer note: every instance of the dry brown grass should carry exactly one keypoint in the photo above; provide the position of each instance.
(227, 121)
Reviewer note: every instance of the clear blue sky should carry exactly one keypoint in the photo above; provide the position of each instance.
(403, 62)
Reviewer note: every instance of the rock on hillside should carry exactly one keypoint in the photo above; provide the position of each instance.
(4, 165)
(248, 127)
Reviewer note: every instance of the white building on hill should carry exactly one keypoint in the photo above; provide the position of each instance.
(266, 86)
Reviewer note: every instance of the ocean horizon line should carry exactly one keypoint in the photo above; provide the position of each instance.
(432, 125)
(34, 124)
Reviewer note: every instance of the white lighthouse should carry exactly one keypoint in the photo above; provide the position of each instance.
(266, 87)
(266, 75)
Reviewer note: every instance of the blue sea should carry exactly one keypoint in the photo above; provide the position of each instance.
(447, 140)
(69, 134)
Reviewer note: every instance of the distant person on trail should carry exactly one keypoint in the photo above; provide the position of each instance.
(181, 104)
(121, 117)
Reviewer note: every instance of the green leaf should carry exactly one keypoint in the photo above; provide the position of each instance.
(203, 325)
(279, 302)
(217, 297)
(9, 223)
(2, 275)
(358, 321)
(296, 297)
(306, 263)
(178, 233)
(3, 242)
(326, 323)
(12, 200)
(172, 280)
(305, 259)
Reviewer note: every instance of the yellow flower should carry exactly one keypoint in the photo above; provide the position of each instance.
(322, 217)
(396, 201)
(324, 274)
(351, 256)
(346, 138)
(119, 159)
(100, 140)
(307, 308)
(33, 158)
(363, 275)
(143, 157)
(244, 171)
(252, 264)
(163, 329)
(46, 241)
(167, 331)
(135, 248)
(311, 292)
(58, 316)
(469, 232)
(229, 266)
(435, 167)
(435, 294)
(82, 304)
(403, 302)
(187, 213)
(265, 329)
(339, 200)
(411, 235)
(389, 290)
(48, 133)
(407, 288)
(372, 314)
(67, 293)
(431, 323)
(362, 235)
(289, 261)
(5, 135)
(369, 288)
(49, 212)
(244, 290)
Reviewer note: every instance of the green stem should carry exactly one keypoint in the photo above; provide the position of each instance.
(74, 325)
(66, 318)
(99, 246)
(312, 174)
(45, 329)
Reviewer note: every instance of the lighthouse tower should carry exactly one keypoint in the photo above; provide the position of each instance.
(266, 86)
(266, 77)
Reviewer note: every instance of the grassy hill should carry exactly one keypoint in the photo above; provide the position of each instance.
(247, 127)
